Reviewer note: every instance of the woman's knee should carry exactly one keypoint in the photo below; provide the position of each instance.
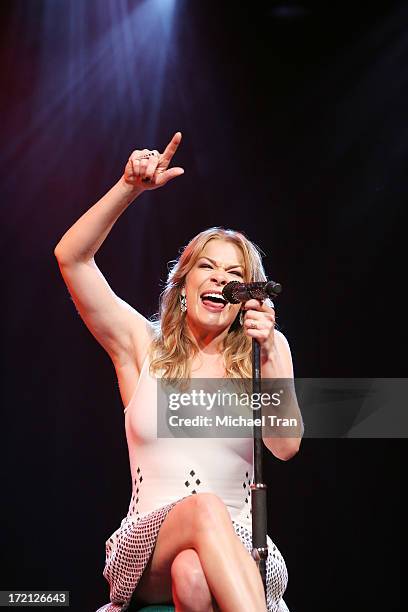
(189, 585)
(211, 513)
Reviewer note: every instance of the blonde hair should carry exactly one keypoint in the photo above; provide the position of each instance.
(172, 349)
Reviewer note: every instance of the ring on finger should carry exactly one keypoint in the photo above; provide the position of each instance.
(148, 155)
(253, 325)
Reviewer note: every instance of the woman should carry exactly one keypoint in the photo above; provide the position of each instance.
(190, 497)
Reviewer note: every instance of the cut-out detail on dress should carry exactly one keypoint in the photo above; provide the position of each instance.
(192, 481)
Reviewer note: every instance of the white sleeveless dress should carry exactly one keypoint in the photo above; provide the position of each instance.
(166, 470)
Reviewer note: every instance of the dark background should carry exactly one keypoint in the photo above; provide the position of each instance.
(294, 131)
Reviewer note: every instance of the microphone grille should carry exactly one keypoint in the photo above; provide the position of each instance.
(230, 292)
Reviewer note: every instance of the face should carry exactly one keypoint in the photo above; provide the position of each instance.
(219, 263)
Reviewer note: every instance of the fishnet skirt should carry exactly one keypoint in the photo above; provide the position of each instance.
(129, 548)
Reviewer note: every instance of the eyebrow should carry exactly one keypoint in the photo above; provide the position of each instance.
(215, 263)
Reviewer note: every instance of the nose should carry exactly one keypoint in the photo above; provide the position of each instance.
(220, 277)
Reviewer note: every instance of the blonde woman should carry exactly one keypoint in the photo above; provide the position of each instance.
(186, 538)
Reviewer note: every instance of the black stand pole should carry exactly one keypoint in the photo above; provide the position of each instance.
(258, 488)
(235, 292)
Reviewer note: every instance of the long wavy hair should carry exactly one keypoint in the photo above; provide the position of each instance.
(172, 350)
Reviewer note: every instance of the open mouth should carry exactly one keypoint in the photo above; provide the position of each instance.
(213, 301)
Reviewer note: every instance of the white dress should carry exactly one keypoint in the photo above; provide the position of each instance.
(164, 471)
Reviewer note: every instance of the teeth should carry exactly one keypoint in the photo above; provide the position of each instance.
(218, 296)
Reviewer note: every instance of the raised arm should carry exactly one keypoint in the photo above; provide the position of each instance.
(122, 331)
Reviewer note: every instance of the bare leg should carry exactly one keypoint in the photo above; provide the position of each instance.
(202, 522)
(189, 585)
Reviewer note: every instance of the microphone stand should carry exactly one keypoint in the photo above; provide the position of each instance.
(258, 488)
(236, 292)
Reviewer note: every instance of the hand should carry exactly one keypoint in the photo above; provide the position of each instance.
(259, 323)
(152, 172)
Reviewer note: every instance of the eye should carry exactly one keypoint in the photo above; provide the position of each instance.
(204, 265)
(236, 273)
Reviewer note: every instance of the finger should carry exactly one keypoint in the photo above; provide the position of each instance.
(136, 159)
(139, 153)
(253, 315)
(262, 320)
(251, 324)
(171, 148)
(143, 167)
(166, 176)
(261, 307)
(129, 173)
(151, 167)
(259, 324)
(129, 167)
(136, 167)
(257, 334)
(253, 305)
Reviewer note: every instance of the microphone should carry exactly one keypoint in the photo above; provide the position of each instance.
(235, 292)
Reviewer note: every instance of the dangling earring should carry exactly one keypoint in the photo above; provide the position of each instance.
(241, 317)
(183, 302)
